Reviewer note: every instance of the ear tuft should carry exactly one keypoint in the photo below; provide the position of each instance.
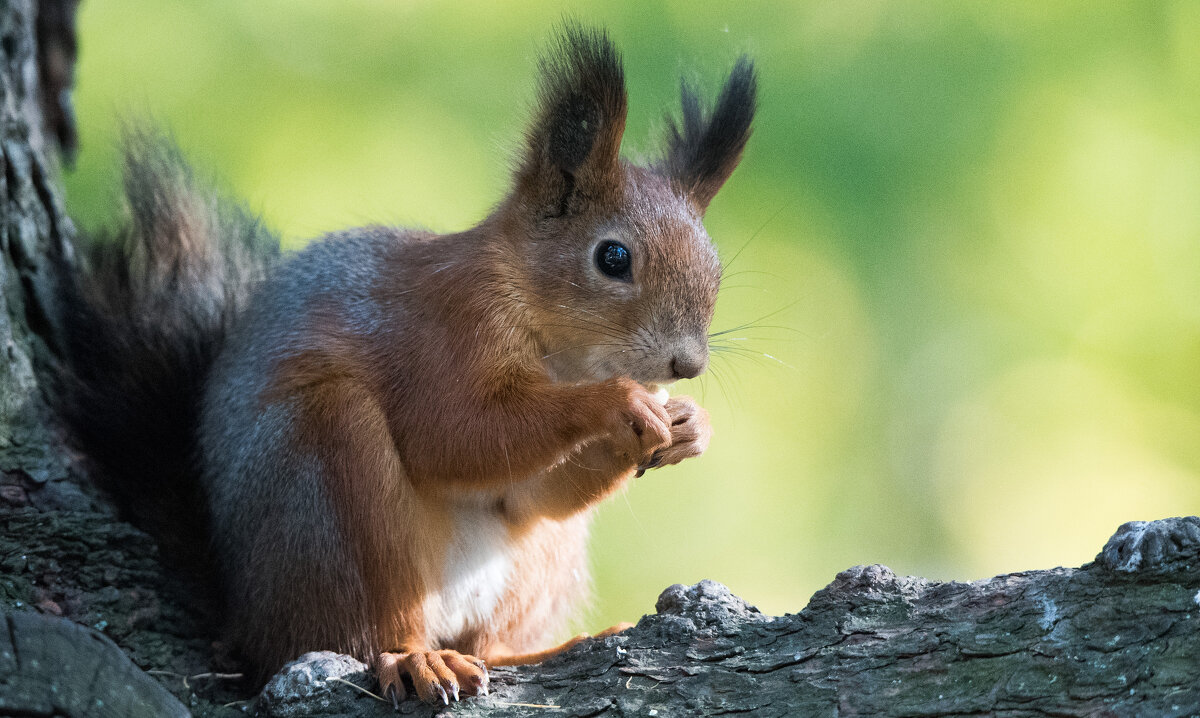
(703, 148)
(575, 139)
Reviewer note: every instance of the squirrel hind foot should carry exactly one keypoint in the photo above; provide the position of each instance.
(437, 676)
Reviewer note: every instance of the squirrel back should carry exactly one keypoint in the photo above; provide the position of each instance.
(148, 311)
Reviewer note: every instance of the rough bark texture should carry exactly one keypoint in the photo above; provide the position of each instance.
(1116, 637)
(88, 608)
(48, 666)
(34, 233)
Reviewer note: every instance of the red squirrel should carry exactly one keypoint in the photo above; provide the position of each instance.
(396, 438)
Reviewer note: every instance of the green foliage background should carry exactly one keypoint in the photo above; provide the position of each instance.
(968, 236)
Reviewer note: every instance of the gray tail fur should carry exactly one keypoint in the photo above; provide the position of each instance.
(149, 308)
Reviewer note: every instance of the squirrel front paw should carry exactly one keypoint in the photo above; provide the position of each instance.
(690, 433)
(641, 425)
(437, 676)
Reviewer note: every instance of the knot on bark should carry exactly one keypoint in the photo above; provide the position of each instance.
(1142, 545)
(705, 604)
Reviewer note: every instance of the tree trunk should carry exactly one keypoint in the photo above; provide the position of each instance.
(88, 607)
(48, 666)
(36, 236)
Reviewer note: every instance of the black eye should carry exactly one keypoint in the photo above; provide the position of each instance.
(614, 260)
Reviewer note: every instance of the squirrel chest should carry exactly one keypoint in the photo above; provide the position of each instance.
(473, 574)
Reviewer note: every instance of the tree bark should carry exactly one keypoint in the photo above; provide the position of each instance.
(35, 238)
(48, 666)
(1118, 636)
(89, 607)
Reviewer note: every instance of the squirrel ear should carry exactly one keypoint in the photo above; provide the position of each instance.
(575, 139)
(705, 146)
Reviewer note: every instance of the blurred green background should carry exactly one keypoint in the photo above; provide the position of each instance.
(968, 235)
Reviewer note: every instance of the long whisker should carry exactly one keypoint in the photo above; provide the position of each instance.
(585, 311)
(748, 353)
(596, 362)
(579, 346)
(740, 272)
(749, 324)
(755, 287)
(599, 319)
(722, 335)
(583, 322)
(599, 327)
(562, 326)
(719, 377)
(735, 383)
(726, 265)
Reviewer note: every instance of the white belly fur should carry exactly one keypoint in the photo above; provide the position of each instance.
(475, 573)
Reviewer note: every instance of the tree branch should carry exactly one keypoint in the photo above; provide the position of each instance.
(1119, 636)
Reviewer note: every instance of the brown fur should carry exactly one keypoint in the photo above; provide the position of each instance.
(406, 429)
(403, 434)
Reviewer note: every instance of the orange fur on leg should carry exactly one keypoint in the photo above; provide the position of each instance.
(500, 656)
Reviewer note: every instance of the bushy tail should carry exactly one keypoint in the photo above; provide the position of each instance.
(148, 311)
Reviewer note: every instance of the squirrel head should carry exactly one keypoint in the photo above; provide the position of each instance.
(617, 273)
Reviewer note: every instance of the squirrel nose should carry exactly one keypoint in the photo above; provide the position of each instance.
(688, 365)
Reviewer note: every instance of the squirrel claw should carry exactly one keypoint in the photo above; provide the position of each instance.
(436, 675)
(690, 432)
(652, 463)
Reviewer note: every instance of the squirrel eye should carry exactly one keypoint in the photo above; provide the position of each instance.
(613, 259)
